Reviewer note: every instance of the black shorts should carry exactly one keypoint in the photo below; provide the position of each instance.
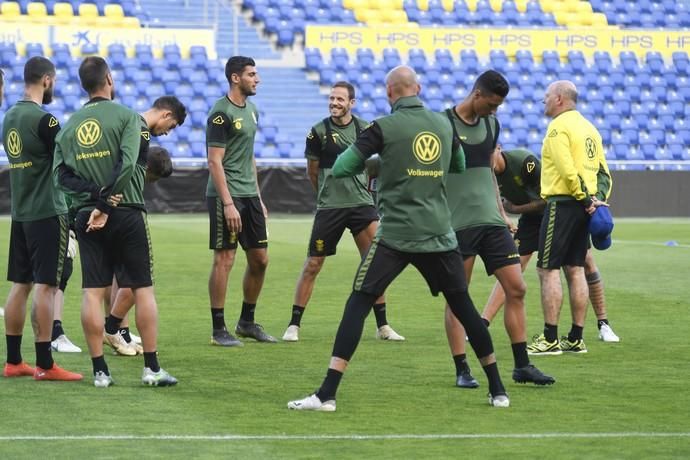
(38, 250)
(527, 235)
(493, 243)
(329, 225)
(253, 235)
(443, 271)
(122, 248)
(563, 235)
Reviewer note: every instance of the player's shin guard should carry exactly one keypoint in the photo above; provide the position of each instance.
(349, 333)
(462, 307)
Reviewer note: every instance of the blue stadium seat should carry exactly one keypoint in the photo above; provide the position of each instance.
(391, 58)
(469, 60)
(366, 59)
(417, 60)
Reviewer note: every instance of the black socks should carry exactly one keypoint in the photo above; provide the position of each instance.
(460, 364)
(57, 330)
(329, 385)
(247, 312)
(380, 313)
(218, 317)
(112, 324)
(297, 313)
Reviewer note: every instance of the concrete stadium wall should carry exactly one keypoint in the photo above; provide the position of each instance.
(287, 190)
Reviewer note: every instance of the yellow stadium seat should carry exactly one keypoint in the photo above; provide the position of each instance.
(131, 22)
(381, 5)
(521, 5)
(400, 17)
(365, 14)
(585, 19)
(423, 5)
(448, 5)
(599, 20)
(347, 4)
(88, 11)
(63, 10)
(36, 10)
(571, 6)
(10, 9)
(496, 5)
(584, 7)
(548, 6)
(393, 16)
(114, 11)
(471, 5)
(398, 4)
(564, 18)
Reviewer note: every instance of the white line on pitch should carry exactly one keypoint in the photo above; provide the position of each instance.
(352, 437)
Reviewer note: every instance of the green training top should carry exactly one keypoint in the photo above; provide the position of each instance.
(416, 148)
(519, 181)
(28, 134)
(472, 197)
(325, 141)
(233, 128)
(96, 155)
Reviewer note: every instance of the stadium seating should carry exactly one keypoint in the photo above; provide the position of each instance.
(639, 103)
(668, 14)
(636, 103)
(103, 13)
(139, 81)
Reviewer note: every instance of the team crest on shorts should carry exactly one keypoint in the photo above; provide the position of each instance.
(320, 246)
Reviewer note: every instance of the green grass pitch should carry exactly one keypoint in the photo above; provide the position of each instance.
(398, 400)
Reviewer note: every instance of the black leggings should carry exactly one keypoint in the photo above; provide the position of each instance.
(360, 304)
(462, 307)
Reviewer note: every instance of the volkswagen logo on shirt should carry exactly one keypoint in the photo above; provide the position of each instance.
(89, 133)
(13, 142)
(426, 147)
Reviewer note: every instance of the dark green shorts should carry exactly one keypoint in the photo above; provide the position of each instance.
(443, 271)
(122, 248)
(329, 225)
(493, 243)
(563, 235)
(38, 250)
(527, 235)
(253, 234)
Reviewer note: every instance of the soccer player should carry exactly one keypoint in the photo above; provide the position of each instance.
(166, 114)
(518, 173)
(482, 227)
(158, 166)
(237, 213)
(417, 148)
(98, 155)
(575, 180)
(2, 83)
(340, 204)
(39, 232)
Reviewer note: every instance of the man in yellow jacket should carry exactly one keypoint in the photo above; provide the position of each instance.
(575, 180)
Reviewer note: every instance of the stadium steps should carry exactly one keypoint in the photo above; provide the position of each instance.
(294, 102)
(194, 13)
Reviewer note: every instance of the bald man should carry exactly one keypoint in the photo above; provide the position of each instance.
(417, 147)
(575, 180)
